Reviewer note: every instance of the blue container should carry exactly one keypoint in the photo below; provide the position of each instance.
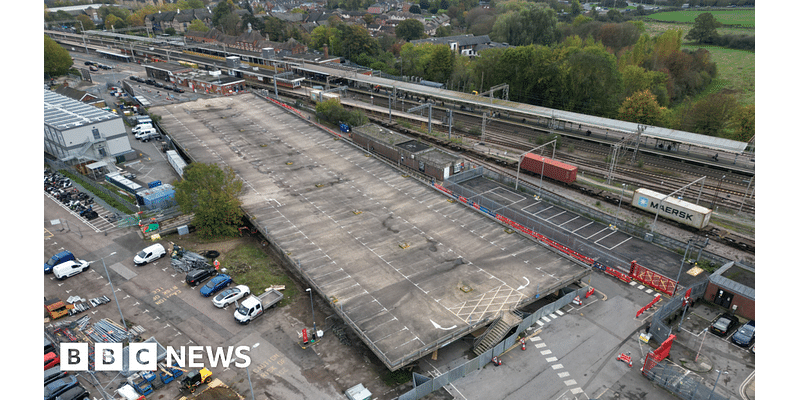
(153, 184)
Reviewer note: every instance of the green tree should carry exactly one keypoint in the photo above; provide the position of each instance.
(57, 60)
(743, 122)
(198, 26)
(212, 195)
(711, 115)
(222, 9)
(410, 29)
(704, 29)
(642, 108)
(532, 25)
(87, 22)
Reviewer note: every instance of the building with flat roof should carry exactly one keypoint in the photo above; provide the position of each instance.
(79, 133)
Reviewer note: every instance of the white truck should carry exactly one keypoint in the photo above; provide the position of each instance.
(254, 307)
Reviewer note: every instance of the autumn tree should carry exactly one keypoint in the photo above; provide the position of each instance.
(743, 123)
(197, 26)
(212, 194)
(642, 108)
(57, 60)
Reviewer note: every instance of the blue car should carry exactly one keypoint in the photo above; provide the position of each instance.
(59, 258)
(215, 285)
(746, 335)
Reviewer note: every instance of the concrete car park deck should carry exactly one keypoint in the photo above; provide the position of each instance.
(409, 269)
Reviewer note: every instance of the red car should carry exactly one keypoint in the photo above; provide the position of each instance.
(51, 360)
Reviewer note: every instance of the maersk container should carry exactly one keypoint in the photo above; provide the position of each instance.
(552, 169)
(671, 208)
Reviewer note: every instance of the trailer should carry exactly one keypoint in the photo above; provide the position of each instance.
(671, 208)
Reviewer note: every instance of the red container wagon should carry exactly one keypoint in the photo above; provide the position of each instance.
(552, 169)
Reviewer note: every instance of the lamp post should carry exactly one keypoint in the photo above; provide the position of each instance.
(719, 372)
(124, 324)
(619, 205)
(252, 394)
(311, 296)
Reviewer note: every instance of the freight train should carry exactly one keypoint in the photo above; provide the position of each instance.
(552, 169)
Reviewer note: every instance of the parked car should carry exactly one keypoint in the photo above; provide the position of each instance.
(197, 276)
(53, 373)
(92, 68)
(150, 253)
(230, 295)
(51, 360)
(74, 393)
(59, 258)
(159, 85)
(58, 386)
(70, 268)
(724, 324)
(746, 335)
(216, 284)
(88, 63)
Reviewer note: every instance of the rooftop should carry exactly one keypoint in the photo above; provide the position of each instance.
(62, 112)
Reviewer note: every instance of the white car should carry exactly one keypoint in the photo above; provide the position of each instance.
(150, 253)
(228, 296)
(70, 268)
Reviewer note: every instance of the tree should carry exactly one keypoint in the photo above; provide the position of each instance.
(532, 25)
(410, 29)
(86, 22)
(424, 4)
(212, 195)
(711, 115)
(197, 26)
(704, 30)
(414, 9)
(642, 108)
(222, 9)
(743, 123)
(57, 60)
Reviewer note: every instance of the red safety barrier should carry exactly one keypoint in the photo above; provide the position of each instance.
(626, 358)
(651, 278)
(590, 292)
(650, 304)
(662, 351)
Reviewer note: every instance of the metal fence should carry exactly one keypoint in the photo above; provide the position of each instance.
(596, 215)
(659, 326)
(683, 385)
(423, 386)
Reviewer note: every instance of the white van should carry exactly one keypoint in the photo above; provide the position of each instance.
(138, 128)
(150, 253)
(147, 134)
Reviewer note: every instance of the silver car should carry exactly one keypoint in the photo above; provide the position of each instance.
(230, 295)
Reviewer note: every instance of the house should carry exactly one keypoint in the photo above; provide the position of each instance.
(178, 20)
(378, 8)
(462, 42)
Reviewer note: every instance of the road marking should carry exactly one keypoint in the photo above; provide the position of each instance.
(558, 366)
(570, 382)
(546, 352)
(563, 374)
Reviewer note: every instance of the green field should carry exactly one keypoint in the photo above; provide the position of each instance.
(736, 72)
(742, 18)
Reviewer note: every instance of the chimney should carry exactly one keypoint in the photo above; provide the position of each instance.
(325, 49)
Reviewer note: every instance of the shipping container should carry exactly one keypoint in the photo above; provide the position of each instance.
(176, 161)
(156, 197)
(671, 208)
(123, 183)
(553, 169)
(316, 95)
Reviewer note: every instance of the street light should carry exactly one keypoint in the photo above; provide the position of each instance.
(619, 205)
(125, 325)
(252, 394)
(311, 295)
(719, 372)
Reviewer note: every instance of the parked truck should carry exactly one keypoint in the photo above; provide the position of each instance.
(254, 307)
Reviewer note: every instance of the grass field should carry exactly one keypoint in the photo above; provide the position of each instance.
(736, 72)
(743, 18)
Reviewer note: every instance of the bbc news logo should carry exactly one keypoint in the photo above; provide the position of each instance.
(144, 356)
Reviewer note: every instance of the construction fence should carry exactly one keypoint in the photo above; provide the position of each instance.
(683, 385)
(424, 386)
(659, 325)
